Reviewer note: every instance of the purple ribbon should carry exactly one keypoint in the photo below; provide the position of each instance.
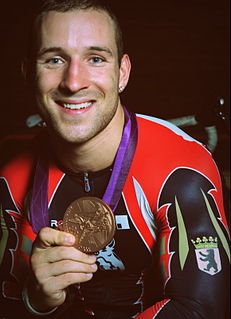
(122, 162)
(39, 202)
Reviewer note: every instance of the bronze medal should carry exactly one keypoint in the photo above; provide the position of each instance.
(91, 221)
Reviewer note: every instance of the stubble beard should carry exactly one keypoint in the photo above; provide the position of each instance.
(69, 136)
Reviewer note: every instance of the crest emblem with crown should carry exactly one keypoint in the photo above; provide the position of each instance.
(207, 254)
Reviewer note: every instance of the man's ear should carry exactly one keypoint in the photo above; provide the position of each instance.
(125, 68)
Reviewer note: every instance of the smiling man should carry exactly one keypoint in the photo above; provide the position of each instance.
(160, 186)
(78, 76)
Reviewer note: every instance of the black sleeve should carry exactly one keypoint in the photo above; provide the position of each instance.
(194, 250)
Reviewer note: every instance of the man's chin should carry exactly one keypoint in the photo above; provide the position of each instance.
(69, 139)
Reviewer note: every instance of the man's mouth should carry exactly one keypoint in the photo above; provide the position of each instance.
(74, 105)
(77, 106)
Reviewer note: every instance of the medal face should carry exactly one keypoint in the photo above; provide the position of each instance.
(92, 223)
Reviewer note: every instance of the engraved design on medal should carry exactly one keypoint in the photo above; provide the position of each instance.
(91, 221)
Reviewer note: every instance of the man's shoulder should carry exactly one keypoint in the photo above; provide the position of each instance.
(19, 156)
(17, 166)
(158, 134)
(19, 161)
(161, 139)
(163, 128)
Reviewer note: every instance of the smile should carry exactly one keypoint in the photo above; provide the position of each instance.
(79, 106)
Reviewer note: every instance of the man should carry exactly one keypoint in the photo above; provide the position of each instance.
(162, 186)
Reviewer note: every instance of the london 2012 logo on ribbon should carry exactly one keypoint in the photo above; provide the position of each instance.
(207, 254)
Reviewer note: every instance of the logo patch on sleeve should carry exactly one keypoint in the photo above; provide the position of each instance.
(207, 255)
(122, 222)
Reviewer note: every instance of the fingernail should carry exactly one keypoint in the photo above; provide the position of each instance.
(69, 239)
(94, 267)
(92, 258)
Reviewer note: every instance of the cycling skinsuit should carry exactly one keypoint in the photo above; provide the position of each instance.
(169, 257)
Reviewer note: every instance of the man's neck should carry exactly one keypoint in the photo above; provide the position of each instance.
(96, 154)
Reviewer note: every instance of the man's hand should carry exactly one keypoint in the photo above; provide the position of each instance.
(55, 266)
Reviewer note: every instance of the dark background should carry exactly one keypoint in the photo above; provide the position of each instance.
(180, 55)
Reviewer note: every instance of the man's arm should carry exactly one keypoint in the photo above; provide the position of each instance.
(194, 249)
(56, 265)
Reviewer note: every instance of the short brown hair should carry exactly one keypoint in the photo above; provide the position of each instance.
(44, 6)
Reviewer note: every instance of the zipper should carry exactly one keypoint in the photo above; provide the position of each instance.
(86, 182)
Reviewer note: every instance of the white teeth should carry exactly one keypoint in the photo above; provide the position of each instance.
(77, 106)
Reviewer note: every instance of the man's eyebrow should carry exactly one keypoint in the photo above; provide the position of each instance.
(100, 49)
(49, 50)
(59, 50)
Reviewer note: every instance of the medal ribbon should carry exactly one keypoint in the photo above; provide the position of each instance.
(39, 202)
(123, 161)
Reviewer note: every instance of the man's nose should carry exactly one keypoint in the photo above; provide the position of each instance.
(75, 77)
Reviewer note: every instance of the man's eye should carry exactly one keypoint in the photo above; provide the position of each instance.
(97, 60)
(55, 61)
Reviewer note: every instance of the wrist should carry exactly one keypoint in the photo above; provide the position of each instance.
(40, 308)
(30, 308)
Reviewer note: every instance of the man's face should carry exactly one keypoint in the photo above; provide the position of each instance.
(77, 73)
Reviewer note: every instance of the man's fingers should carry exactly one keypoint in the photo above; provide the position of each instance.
(53, 245)
(56, 264)
(67, 280)
(58, 253)
(67, 266)
(54, 270)
(63, 281)
(48, 237)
